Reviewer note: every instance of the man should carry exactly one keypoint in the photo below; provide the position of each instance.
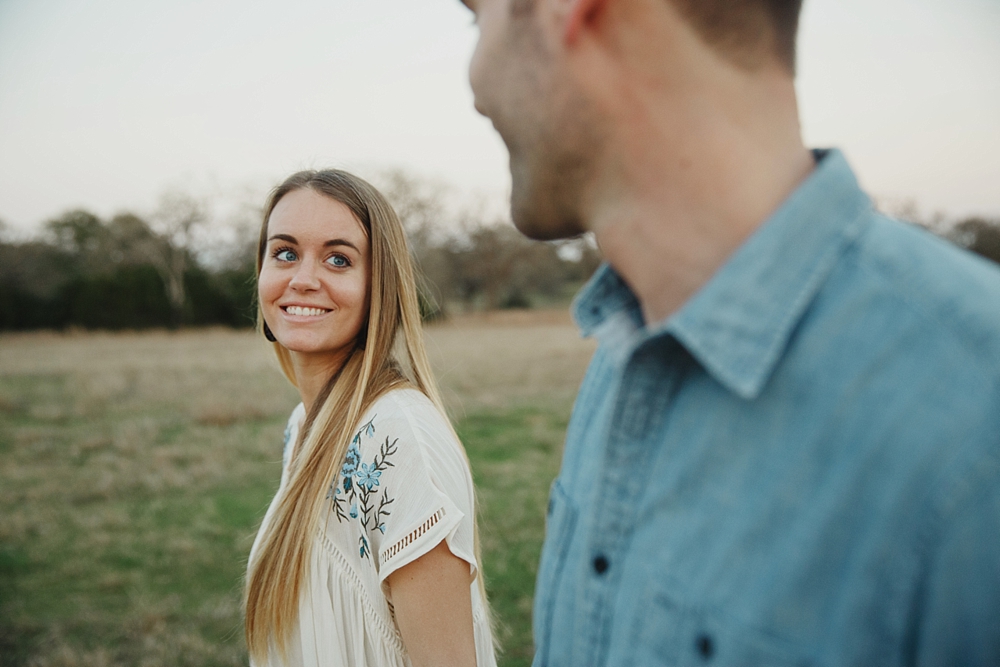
(787, 447)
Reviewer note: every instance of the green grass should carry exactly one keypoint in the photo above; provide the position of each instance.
(124, 525)
(515, 454)
(126, 518)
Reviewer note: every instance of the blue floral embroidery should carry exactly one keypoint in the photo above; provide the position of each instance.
(358, 494)
(368, 476)
(351, 461)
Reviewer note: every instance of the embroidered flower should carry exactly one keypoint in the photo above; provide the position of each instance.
(354, 511)
(351, 461)
(368, 476)
(370, 429)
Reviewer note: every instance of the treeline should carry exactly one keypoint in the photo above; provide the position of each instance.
(182, 267)
(121, 273)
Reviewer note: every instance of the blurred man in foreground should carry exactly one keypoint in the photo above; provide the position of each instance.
(787, 447)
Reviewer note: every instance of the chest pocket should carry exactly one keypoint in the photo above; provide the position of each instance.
(678, 635)
(559, 525)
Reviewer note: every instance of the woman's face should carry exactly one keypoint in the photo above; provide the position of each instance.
(315, 277)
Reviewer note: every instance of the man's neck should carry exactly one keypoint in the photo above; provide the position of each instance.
(676, 205)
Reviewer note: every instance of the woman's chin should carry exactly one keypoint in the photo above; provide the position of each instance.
(310, 347)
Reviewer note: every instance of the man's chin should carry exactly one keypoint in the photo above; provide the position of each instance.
(550, 227)
(538, 204)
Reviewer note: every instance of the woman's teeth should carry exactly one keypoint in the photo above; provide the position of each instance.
(299, 310)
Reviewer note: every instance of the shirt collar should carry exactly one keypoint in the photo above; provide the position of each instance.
(738, 324)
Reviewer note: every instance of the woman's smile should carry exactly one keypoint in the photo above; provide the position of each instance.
(305, 311)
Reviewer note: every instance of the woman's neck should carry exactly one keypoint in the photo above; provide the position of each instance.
(312, 372)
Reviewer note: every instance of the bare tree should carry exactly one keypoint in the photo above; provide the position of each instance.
(420, 205)
(176, 220)
(475, 258)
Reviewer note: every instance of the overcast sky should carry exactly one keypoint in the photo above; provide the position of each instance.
(105, 104)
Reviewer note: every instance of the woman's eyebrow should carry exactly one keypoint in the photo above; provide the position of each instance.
(332, 242)
(336, 242)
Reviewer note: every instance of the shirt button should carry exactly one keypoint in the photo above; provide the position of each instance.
(705, 646)
(601, 564)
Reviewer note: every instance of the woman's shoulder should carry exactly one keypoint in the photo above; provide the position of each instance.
(404, 398)
(405, 433)
(408, 416)
(409, 408)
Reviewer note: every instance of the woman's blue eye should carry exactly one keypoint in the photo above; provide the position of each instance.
(339, 261)
(285, 255)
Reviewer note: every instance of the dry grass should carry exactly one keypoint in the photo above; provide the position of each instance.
(134, 469)
(509, 358)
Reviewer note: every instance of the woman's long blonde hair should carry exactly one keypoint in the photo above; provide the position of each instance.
(280, 563)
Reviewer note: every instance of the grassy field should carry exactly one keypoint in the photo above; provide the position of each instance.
(134, 469)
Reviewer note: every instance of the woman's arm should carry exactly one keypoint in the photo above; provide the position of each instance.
(432, 600)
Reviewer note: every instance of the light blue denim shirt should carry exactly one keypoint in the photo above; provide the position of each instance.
(801, 466)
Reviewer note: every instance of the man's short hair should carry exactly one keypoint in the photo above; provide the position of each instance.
(746, 31)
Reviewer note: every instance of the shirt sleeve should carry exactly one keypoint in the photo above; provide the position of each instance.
(413, 484)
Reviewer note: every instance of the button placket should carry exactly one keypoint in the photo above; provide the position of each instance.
(648, 384)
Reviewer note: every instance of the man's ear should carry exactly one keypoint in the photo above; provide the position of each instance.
(577, 15)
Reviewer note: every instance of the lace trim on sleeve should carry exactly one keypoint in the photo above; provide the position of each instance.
(412, 537)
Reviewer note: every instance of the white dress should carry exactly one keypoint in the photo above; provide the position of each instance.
(404, 487)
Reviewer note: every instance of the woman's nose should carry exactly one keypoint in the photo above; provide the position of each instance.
(305, 277)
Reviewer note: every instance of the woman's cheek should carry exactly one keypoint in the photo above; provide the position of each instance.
(266, 286)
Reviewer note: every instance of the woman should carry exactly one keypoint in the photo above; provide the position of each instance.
(368, 554)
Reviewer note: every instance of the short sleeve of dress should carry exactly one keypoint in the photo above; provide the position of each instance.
(411, 486)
